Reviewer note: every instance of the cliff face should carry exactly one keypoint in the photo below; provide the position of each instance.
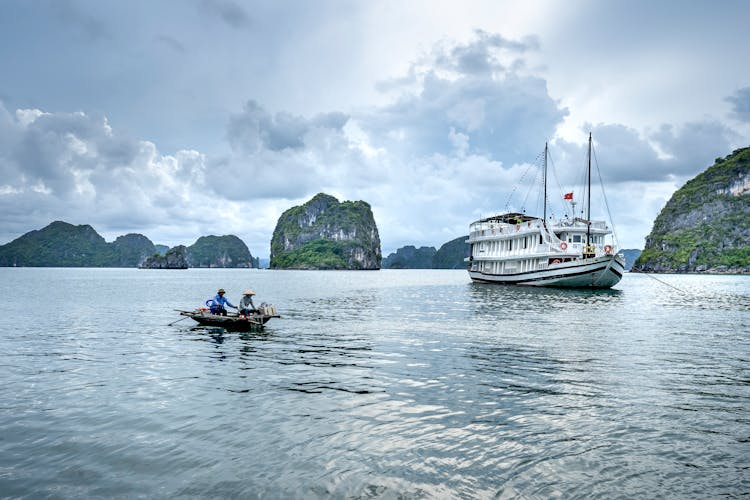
(326, 234)
(705, 226)
(220, 251)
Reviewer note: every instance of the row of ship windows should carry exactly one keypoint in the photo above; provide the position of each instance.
(510, 268)
(520, 243)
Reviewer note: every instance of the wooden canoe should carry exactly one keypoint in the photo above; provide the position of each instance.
(232, 321)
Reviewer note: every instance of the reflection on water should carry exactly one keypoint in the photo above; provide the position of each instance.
(393, 384)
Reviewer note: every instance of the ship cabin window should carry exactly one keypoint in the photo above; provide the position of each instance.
(576, 238)
(525, 242)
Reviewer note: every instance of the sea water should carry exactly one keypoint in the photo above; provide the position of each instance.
(408, 384)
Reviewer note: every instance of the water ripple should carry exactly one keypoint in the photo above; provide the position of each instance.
(376, 385)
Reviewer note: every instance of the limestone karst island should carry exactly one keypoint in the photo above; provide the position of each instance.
(705, 226)
(326, 234)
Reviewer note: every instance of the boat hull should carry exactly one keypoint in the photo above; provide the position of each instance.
(229, 322)
(599, 272)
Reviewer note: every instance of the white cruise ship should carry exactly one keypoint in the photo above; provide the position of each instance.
(517, 249)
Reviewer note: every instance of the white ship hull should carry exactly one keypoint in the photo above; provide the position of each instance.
(599, 272)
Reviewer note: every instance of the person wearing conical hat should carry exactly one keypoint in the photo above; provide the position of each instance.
(246, 302)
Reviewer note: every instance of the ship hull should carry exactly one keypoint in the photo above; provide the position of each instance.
(600, 272)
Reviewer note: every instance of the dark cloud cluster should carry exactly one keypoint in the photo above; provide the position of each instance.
(740, 102)
(255, 129)
(669, 154)
(465, 89)
(230, 12)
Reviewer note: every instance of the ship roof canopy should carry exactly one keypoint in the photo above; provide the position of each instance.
(509, 218)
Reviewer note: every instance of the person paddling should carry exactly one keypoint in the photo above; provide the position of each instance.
(219, 302)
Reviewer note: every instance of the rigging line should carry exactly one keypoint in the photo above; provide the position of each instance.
(665, 283)
(604, 194)
(515, 186)
(557, 181)
(528, 193)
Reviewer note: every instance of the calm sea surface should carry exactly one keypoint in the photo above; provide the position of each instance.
(413, 384)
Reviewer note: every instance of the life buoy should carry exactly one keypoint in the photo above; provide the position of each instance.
(564, 246)
(608, 249)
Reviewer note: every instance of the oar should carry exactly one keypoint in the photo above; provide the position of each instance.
(173, 322)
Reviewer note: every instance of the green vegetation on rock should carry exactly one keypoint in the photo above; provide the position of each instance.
(326, 234)
(705, 226)
(451, 255)
(64, 245)
(410, 257)
(220, 251)
(174, 258)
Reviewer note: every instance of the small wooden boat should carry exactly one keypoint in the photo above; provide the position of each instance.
(232, 321)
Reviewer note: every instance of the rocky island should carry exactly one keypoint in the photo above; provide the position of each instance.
(326, 234)
(61, 244)
(705, 226)
(449, 256)
(174, 258)
(66, 245)
(220, 251)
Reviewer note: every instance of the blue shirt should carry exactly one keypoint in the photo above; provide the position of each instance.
(220, 301)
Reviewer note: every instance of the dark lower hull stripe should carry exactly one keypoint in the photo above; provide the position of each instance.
(545, 278)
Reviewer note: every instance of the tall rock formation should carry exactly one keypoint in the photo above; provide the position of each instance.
(220, 251)
(326, 234)
(705, 226)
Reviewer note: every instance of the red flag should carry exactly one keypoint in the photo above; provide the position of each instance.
(568, 196)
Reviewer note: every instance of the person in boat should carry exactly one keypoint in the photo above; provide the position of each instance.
(246, 303)
(218, 306)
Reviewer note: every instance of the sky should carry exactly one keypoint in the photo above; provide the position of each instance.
(179, 119)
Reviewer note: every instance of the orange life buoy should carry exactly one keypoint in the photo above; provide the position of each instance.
(564, 245)
(608, 249)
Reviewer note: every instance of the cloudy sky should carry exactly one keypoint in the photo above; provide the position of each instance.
(197, 117)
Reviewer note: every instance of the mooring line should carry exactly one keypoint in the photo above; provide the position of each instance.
(665, 283)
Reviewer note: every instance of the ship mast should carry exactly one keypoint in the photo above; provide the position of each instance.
(588, 203)
(544, 220)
